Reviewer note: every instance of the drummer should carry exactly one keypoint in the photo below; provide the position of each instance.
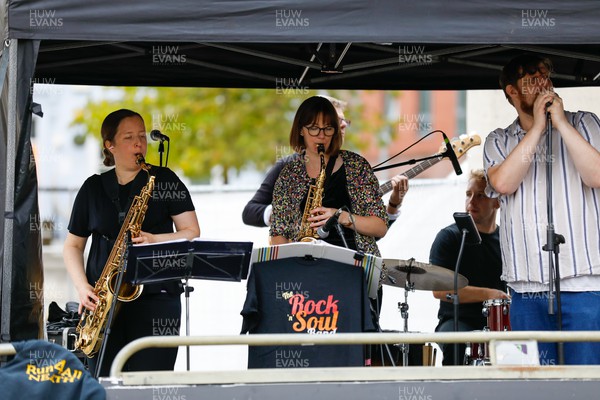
(480, 264)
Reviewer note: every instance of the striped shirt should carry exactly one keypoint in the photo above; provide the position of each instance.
(523, 214)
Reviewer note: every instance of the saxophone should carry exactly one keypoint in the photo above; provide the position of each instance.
(90, 330)
(313, 200)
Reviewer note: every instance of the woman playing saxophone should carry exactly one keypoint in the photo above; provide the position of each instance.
(349, 183)
(99, 211)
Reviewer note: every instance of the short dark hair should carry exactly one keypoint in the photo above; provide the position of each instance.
(109, 130)
(307, 113)
(520, 66)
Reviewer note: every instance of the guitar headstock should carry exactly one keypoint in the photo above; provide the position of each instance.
(461, 144)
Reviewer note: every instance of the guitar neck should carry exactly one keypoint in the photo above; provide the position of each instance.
(411, 173)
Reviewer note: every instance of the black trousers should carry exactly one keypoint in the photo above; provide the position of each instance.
(150, 315)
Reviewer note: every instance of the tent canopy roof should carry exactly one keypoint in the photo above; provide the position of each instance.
(283, 44)
(299, 66)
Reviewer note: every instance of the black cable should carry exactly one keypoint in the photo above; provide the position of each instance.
(406, 149)
(359, 251)
(168, 150)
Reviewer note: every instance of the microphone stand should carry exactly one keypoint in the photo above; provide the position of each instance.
(161, 150)
(340, 232)
(375, 312)
(113, 306)
(385, 345)
(454, 296)
(187, 290)
(409, 162)
(553, 241)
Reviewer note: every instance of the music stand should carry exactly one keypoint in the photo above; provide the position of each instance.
(197, 259)
(371, 264)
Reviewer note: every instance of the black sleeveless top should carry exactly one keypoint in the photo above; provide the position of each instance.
(335, 195)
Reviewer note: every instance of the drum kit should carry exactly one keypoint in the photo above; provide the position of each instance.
(413, 275)
(497, 312)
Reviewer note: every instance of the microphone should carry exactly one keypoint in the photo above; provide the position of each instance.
(452, 155)
(323, 230)
(156, 136)
(548, 104)
(464, 221)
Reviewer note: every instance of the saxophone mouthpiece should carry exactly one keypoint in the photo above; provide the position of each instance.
(321, 148)
(139, 160)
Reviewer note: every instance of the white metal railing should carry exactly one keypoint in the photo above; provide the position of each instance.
(283, 375)
(356, 338)
(7, 349)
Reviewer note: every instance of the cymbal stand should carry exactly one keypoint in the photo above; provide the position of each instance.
(403, 307)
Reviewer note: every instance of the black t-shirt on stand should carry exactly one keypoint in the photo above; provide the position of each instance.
(296, 295)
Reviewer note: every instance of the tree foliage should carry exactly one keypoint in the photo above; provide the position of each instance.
(231, 128)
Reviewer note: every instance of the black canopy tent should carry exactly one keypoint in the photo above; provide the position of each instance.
(351, 44)
(390, 66)
(384, 44)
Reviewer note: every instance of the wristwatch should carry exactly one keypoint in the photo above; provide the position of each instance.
(393, 205)
(348, 222)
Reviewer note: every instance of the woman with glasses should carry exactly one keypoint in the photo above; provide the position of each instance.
(336, 292)
(350, 184)
(258, 210)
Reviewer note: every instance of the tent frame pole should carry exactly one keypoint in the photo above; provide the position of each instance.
(11, 145)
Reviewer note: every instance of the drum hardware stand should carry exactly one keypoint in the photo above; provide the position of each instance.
(553, 241)
(422, 276)
(403, 308)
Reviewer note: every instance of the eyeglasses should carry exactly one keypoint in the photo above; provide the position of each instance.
(347, 121)
(314, 130)
(544, 69)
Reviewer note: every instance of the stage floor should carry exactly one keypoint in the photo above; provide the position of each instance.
(382, 383)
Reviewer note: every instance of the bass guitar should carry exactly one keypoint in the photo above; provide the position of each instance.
(460, 146)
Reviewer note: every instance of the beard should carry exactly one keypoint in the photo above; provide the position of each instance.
(527, 98)
(526, 105)
(527, 109)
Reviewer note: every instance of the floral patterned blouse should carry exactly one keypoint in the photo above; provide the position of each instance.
(292, 186)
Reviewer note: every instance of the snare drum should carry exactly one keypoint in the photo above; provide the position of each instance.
(497, 312)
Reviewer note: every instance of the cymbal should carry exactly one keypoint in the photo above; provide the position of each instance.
(422, 276)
